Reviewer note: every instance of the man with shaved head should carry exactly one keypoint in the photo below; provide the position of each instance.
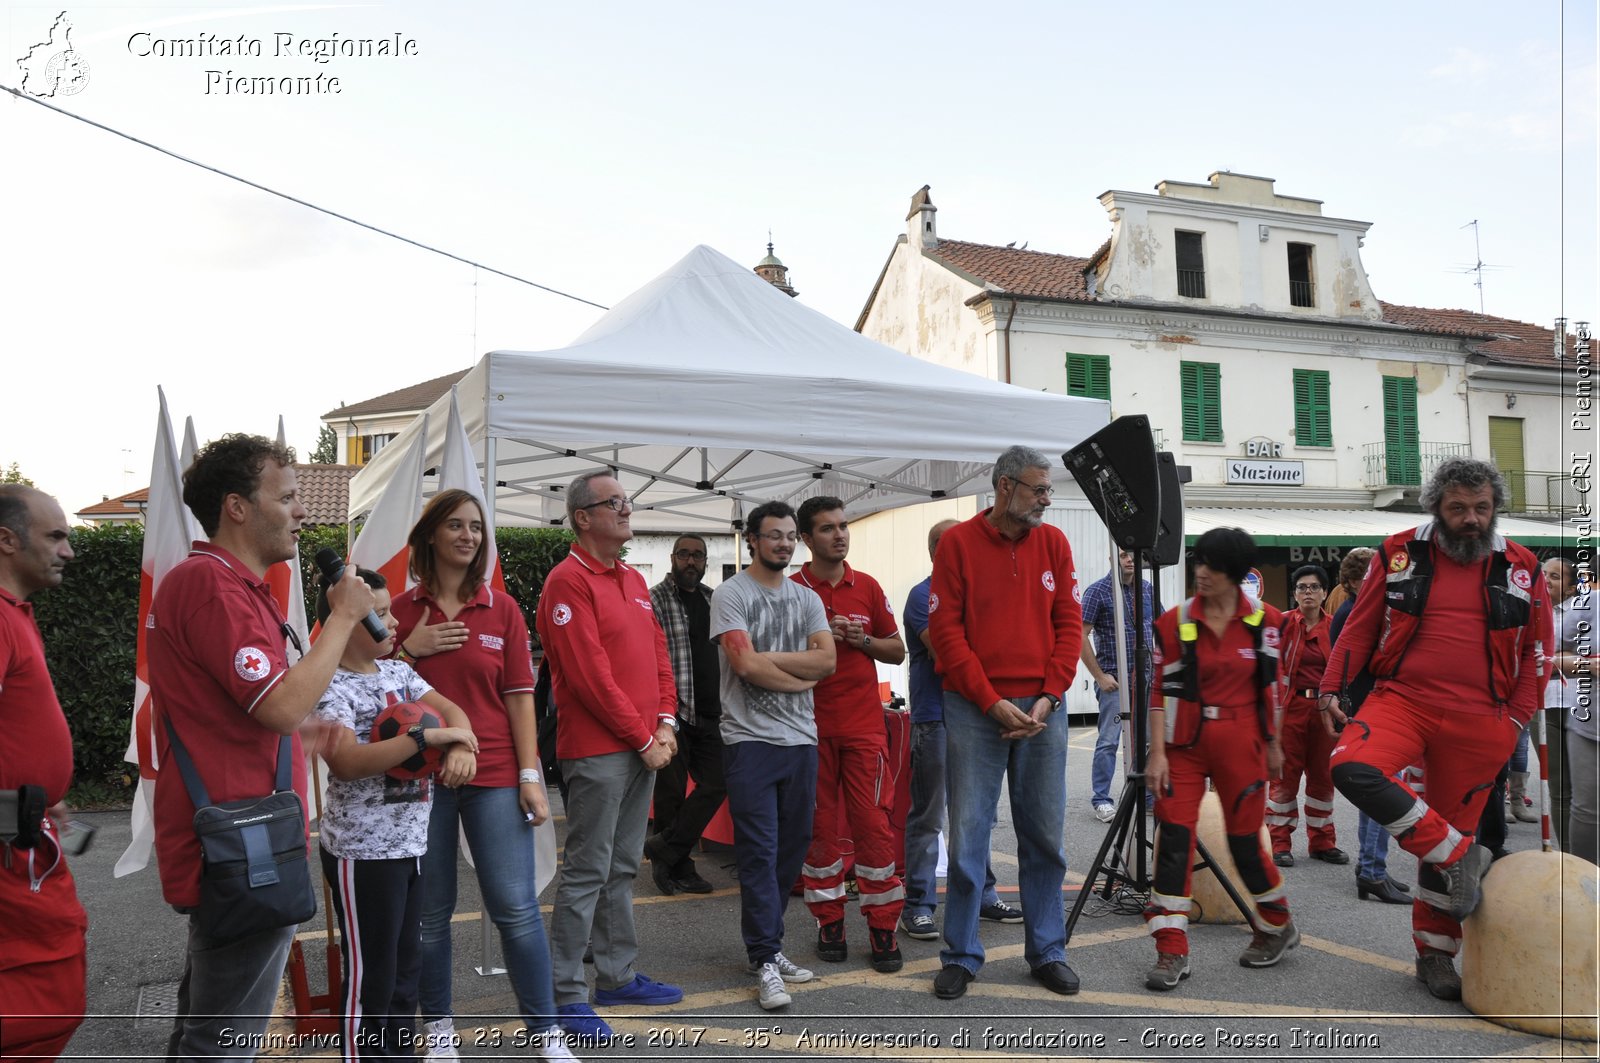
(41, 938)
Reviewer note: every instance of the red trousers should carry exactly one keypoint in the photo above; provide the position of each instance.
(42, 991)
(1231, 752)
(1306, 744)
(1460, 754)
(853, 773)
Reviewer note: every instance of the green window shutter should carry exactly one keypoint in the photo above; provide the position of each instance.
(1201, 384)
(1313, 415)
(1089, 376)
(1402, 448)
(1506, 451)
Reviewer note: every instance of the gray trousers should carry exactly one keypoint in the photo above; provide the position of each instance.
(608, 802)
(227, 994)
(1583, 769)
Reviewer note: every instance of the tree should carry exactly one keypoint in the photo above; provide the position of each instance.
(327, 451)
(13, 475)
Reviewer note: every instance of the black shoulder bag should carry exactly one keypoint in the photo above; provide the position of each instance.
(254, 875)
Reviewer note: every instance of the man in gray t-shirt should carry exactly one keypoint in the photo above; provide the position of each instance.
(777, 619)
(774, 646)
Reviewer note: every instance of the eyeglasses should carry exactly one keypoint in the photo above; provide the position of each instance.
(1306, 588)
(617, 505)
(690, 555)
(779, 537)
(1044, 490)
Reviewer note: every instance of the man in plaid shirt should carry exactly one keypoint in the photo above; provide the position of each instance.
(1099, 616)
(683, 606)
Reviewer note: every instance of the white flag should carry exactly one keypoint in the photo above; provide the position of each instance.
(169, 528)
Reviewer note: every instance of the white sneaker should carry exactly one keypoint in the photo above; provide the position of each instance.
(441, 1039)
(1105, 812)
(773, 995)
(553, 1046)
(787, 969)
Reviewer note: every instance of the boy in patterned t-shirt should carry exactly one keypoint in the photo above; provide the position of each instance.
(375, 830)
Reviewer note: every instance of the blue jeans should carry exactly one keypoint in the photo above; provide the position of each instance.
(772, 791)
(1372, 861)
(1519, 756)
(1105, 746)
(926, 820)
(1035, 769)
(502, 847)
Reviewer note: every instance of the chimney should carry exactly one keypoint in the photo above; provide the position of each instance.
(919, 223)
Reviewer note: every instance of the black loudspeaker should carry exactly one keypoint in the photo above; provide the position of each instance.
(1116, 468)
(1169, 539)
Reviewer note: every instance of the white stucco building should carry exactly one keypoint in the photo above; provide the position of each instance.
(1242, 323)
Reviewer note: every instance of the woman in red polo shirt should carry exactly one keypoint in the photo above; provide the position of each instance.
(471, 643)
(1214, 714)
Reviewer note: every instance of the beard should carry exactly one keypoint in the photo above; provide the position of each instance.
(1467, 551)
(773, 564)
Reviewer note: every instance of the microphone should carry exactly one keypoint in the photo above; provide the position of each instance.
(331, 565)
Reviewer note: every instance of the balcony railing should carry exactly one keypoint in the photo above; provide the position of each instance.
(1302, 293)
(1192, 283)
(1541, 492)
(1398, 467)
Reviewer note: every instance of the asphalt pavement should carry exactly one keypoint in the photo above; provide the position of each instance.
(1348, 991)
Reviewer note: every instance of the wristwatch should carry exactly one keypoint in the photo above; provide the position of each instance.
(671, 721)
(415, 731)
(866, 640)
(1055, 702)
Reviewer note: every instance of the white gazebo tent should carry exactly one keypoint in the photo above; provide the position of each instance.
(709, 391)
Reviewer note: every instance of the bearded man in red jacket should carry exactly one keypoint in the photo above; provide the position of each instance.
(1455, 640)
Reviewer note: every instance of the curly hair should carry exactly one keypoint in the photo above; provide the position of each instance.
(228, 466)
(1353, 566)
(1469, 473)
(809, 509)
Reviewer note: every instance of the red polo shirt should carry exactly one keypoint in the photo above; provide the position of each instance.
(216, 647)
(611, 675)
(495, 661)
(35, 743)
(847, 701)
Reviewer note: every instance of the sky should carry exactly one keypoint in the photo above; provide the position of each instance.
(589, 147)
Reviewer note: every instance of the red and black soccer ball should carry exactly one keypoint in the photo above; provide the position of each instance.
(397, 720)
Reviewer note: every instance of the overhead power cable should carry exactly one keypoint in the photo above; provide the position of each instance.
(300, 202)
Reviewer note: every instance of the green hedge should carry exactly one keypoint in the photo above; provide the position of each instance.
(90, 624)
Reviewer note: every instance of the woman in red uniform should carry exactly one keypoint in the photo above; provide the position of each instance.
(1215, 714)
(471, 643)
(1306, 743)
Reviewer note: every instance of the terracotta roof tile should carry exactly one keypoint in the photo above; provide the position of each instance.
(1040, 274)
(124, 506)
(415, 398)
(1500, 339)
(324, 491)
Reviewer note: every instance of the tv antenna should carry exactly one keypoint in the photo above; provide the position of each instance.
(1478, 264)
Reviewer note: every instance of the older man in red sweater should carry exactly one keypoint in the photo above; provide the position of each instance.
(1006, 626)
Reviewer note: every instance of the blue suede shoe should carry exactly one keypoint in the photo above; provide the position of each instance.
(580, 1021)
(642, 991)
